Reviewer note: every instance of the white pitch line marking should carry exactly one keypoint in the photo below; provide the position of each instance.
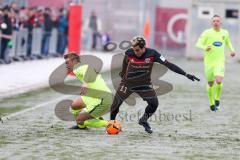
(32, 108)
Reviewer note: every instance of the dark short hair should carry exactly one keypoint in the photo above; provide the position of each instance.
(216, 16)
(138, 41)
(72, 55)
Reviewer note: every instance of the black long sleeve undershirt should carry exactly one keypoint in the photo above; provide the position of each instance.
(174, 68)
(124, 66)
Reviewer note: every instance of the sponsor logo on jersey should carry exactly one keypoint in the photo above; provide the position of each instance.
(141, 60)
(217, 44)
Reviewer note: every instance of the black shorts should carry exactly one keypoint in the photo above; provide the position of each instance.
(144, 91)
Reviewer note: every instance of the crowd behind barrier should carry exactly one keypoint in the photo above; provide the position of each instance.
(32, 33)
(42, 32)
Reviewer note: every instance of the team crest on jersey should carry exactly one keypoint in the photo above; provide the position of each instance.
(223, 37)
(147, 60)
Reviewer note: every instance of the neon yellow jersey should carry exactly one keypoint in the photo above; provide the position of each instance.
(217, 40)
(87, 75)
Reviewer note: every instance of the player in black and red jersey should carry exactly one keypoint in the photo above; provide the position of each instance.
(136, 77)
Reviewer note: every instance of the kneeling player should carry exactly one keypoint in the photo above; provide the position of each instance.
(96, 97)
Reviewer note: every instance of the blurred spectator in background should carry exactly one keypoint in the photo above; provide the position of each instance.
(22, 34)
(14, 7)
(14, 10)
(94, 25)
(105, 40)
(39, 17)
(6, 35)
(1, 16)
(47, 29)
(29, 25)
(24, 21)
(23, 15)
(62, 28)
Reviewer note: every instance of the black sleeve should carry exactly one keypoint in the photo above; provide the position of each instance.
(159, 58)
(174, 68)
(124, 66)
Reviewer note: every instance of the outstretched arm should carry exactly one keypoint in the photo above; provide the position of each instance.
(160, 59)
(178, 70)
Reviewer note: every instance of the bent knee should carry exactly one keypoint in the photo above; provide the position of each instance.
(74, 107)
(218, 81)
(77, 105)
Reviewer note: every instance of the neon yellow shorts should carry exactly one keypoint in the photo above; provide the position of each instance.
(211, 71)
(97, 107)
